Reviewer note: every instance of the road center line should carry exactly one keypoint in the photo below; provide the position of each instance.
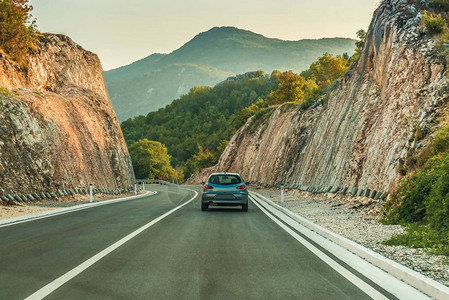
(55, 284)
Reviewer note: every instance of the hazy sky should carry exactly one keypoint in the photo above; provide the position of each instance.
(123, 31)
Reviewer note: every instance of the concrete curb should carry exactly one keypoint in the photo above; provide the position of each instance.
(64, 210)
(413, 278)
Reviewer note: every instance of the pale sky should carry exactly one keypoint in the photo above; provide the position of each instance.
(123, 31)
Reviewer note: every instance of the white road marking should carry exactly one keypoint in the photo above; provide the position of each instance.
(55, 284)
(390, 283)
(366, 288)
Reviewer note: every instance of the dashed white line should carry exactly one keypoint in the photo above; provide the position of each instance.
(55, 284)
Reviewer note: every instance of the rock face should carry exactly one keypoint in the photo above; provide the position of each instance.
(58, 129)
(375, 117)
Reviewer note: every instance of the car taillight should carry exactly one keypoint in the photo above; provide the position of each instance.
(241, 187)
(208, 187)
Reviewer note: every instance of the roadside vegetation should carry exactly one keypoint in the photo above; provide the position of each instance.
(151, 160)
(18, 31)
(421, 200)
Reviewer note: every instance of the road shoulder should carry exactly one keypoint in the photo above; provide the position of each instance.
(359, 227)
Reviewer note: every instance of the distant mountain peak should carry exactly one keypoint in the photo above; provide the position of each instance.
(223, 31)
(210, 57)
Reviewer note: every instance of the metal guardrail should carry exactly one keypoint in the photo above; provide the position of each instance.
(153, 181)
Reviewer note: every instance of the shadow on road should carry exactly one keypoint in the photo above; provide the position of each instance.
(237, 209)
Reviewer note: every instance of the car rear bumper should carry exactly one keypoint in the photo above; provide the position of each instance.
(225, 200)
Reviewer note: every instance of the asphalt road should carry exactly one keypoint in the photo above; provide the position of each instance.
(219, 254)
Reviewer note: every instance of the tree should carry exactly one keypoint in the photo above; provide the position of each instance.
(17, 29)
(290, 89)
(151, 160)
(311, 90)
(203, 159)
(328, 69)
(359, 44)
(221, 147)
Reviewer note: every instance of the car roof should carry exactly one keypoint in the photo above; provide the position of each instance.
(225, 173)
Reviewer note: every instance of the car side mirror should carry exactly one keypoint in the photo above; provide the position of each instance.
(202, 182)
(247, 183)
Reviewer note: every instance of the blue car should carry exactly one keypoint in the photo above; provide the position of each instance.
(224, 189)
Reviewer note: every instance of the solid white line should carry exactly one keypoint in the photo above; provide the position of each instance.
(366, 288)
(353, 256)
(52, 286)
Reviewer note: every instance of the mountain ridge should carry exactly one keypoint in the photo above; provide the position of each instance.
(221, 52)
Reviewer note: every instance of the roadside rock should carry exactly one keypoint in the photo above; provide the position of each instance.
(57, 124)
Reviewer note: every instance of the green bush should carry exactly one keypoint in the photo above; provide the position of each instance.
(433, 24)
(420, 194)
(421, 201)
(441, 140)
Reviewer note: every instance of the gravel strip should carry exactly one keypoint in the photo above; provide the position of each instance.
(356, 218)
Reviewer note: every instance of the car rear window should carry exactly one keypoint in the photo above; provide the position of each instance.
(225, 179)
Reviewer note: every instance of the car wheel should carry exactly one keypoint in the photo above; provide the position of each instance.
(245, 207)
(204, 206)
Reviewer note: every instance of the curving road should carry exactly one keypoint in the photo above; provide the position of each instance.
(188, 254)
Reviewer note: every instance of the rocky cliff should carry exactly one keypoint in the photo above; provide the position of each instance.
(381, 111)
(58, 130)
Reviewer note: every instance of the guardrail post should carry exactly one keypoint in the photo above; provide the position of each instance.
(135, 188)
(282, 193)
(90, 193)
(143, 185)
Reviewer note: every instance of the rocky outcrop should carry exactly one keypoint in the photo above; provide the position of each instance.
(354, 142)
(58, 130)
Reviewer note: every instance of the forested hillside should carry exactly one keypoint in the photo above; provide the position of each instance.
(200, 122)
(209, 58)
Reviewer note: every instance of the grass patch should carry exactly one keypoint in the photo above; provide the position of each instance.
(5, 92)
(8, 93)
(422, 236)
(289, 106)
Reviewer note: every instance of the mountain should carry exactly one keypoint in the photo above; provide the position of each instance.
(58, 129)
(210, 57)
